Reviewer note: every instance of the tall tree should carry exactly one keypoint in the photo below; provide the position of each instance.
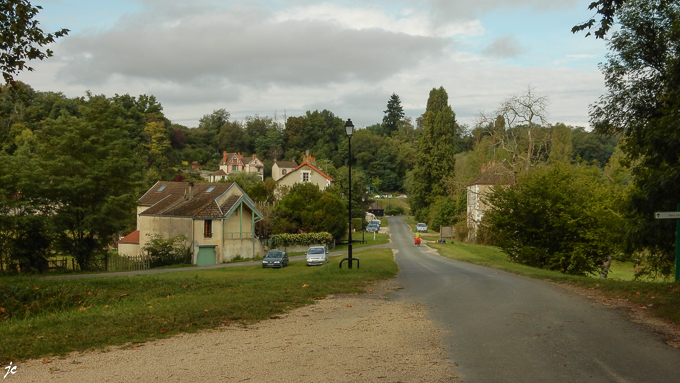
(88, 172)
(393, 115)
(436, 155)
(21, 40)
(642, 103)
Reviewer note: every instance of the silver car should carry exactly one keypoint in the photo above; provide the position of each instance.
(421, 228)
(317, 255)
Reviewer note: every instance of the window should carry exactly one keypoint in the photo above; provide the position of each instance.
(211, 188)
(234, 168)
(160, 189)
(284, 171)
(305, 177)
(207, 229)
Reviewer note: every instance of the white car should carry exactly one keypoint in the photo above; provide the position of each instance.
(317, 255)
(421, 227)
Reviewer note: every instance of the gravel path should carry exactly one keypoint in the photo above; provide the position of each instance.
(355, 338)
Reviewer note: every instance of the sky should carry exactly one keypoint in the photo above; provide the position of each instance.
(282, 58)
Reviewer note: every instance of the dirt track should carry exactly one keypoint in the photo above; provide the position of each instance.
(358, 338)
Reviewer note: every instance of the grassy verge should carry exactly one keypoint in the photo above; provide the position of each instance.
(41, 318)
(659, 298)
(380, 239)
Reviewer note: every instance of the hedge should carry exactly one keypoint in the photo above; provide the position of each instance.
(304, 239)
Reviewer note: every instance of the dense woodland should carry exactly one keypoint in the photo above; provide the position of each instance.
(74, 167)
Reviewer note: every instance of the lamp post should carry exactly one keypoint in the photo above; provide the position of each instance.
(349, 130)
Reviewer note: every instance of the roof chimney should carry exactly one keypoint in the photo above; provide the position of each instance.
(224, 157)
(191, 191)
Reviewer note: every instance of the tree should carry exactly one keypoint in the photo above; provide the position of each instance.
(560, 144)
(393, 115)
(607, 9)
(87, 174)
(517, 128)
(21, 39)
(436, 156)
(642, 105)
(561, 218)
(306, 209)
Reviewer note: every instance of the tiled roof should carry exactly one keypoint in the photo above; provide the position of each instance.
(219, 173)
(131, 238)
(175, 202)
(311, 166)
(287, 164)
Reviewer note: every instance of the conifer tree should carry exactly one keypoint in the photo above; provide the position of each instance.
(435, 161)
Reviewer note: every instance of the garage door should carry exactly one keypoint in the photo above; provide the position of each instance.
(205, 256)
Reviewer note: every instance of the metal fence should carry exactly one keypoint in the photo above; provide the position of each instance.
(124, 263)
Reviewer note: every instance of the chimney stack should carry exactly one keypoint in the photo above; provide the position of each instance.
(191, 190)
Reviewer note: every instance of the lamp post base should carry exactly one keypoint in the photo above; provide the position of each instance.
(349, 262)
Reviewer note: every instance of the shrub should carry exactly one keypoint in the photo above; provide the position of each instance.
(305, 239)
(165, 252)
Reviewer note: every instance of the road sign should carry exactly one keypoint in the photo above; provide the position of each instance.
(667, 215)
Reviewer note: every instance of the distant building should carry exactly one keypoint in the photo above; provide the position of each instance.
(281, 168)
(234, 163)
(306, 172)
(492, 175)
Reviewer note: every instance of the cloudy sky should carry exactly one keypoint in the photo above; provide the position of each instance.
(284, 57)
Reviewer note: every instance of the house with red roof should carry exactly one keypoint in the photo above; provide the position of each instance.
(306, 172)
(217, 218)
(235, 162)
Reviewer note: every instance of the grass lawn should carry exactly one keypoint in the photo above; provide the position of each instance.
(41, 318)
(661, 298)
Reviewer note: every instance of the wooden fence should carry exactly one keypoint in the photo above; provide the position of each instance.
(123, 263)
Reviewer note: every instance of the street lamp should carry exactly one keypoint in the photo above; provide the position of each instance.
(349, 130)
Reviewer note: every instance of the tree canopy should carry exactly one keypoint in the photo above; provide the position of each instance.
(21, 39)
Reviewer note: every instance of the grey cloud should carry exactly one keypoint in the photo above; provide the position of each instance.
(444, 10)
(243, 47)
(504, 47)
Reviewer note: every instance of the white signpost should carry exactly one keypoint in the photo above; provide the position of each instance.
(673, 215)
(667, 214)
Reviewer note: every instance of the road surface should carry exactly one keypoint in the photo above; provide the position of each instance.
(508, 328)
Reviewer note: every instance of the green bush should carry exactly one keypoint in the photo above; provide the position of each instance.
(397, 210)
(305, 239)
(166, 252)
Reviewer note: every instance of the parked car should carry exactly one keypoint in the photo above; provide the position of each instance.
(421, 228)
(371, 227)
(376, 222)
(317, 255)
(275, 258)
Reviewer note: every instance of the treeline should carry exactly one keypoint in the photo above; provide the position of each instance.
(74, 167)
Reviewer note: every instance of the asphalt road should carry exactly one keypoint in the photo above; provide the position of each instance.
(508, 328)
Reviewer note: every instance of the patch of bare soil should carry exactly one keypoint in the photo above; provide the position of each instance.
(343, 338)
(668, 331)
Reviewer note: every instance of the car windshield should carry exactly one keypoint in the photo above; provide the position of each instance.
(274, 254)
(421, 225)
(315, 251)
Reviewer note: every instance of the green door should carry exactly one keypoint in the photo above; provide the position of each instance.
(205, 256)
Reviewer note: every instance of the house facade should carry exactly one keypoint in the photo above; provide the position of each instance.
(217, 218)
(492, 175)
(281, 168)
(234, 163)
(306, 172)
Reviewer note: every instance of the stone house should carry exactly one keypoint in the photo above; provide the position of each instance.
(492, 175)
(306, 172)
(217, 218)
(281, 168)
